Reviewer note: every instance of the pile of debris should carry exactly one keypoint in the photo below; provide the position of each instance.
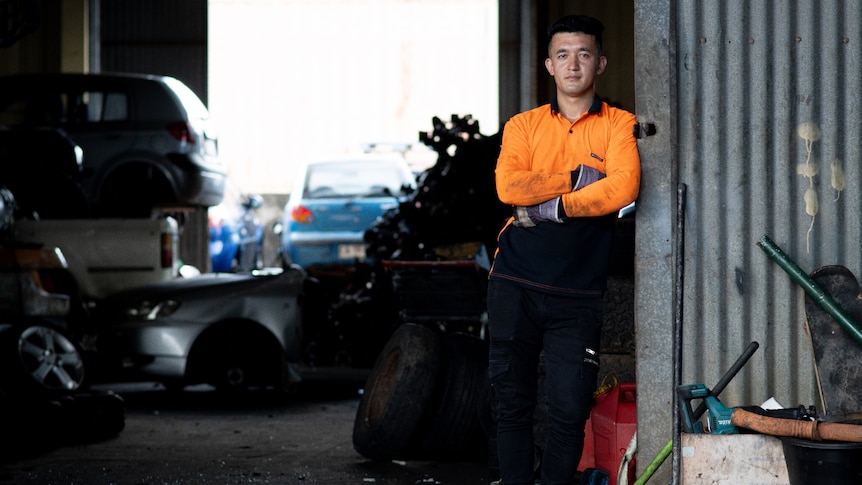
(455, 207)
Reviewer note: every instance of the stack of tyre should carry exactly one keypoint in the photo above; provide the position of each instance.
(426, 398)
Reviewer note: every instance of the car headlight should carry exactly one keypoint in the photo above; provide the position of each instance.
(151, 310)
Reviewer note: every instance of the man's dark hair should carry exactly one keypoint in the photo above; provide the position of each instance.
(578, 23)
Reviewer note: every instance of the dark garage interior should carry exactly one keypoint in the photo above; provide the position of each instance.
(233, 432)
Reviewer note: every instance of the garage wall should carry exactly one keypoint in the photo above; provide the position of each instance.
(769, 96)
(755, 105)
(157, 37)
(52, 36)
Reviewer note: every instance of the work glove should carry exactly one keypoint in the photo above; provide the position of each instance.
(529, 216)
(550, 211)
(585, 175)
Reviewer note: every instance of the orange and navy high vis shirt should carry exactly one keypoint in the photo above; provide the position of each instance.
(540, 149)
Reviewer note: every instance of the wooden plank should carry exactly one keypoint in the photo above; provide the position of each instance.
(740, 459)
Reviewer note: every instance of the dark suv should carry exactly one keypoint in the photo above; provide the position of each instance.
(147, 141)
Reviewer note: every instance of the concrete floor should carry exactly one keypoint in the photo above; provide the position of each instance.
(203, 437)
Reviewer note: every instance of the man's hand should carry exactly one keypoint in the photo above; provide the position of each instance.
(585, 175)
(529, 216)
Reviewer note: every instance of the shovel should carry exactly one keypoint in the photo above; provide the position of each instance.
(833, 309)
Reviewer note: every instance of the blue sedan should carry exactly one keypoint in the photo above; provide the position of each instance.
(333, 203)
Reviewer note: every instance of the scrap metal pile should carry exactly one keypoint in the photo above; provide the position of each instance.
(455, 207)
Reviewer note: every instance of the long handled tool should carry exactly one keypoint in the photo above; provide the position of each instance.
(810, 287)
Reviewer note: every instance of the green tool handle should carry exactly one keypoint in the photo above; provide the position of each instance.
(810, 287)
(656, 462)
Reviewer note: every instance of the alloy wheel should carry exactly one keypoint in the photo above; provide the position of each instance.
(50, 358)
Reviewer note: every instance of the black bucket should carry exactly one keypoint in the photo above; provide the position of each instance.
(822, 462)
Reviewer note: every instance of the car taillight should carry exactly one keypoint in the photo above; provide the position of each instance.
(180, 130)
(167, 250)
(302, 214)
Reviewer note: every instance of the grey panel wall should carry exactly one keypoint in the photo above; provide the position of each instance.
(768, 109)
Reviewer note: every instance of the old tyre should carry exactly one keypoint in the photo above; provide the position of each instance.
(451, 428)
(30, 424)
(397, 392)
(36, 424)
(93, 417)
(134, 190)
(41, 357)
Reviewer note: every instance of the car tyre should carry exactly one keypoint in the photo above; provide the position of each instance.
(93, 417)
(43, 358)
(399, 387)
(31, 425)
(133, 191)
(67, 198)
(35, 424)
(452, 428)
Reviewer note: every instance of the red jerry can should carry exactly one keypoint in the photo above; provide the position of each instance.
(612, 423)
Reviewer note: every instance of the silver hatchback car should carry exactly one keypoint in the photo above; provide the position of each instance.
(147, 140)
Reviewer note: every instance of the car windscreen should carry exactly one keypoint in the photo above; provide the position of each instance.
(354, 179)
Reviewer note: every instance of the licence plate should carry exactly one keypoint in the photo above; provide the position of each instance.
(351, 251)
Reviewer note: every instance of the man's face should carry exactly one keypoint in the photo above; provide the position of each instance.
(574, 62)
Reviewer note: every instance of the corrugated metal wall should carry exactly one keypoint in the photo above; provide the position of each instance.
(754, 78)
(736, 89)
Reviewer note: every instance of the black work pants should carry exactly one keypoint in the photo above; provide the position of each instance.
(523, 323)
